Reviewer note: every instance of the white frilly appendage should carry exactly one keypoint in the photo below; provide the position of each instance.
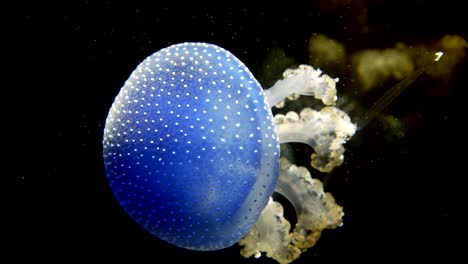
(304, 80)
(315, 210)
(325, 131)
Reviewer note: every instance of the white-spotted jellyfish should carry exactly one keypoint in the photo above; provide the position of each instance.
(191, 152)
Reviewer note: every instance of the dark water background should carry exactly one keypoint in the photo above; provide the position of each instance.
(403, 197)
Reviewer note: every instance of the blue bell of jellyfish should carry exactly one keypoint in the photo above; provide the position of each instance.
(190, 148)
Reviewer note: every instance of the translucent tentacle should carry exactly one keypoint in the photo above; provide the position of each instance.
(315, 210)
(304, 80)
(389, 96)
(325, 131)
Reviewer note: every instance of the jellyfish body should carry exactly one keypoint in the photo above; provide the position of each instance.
(190, 147)
(191, 152)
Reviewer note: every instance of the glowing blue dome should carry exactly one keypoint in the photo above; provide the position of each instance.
(190, 148)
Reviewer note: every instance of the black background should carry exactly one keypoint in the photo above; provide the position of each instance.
(402, 198)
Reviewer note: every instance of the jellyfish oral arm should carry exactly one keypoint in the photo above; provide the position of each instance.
(304, 80)
(315, 209)
(325, 131)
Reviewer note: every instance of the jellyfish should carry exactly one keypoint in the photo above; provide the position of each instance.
(191, 153)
